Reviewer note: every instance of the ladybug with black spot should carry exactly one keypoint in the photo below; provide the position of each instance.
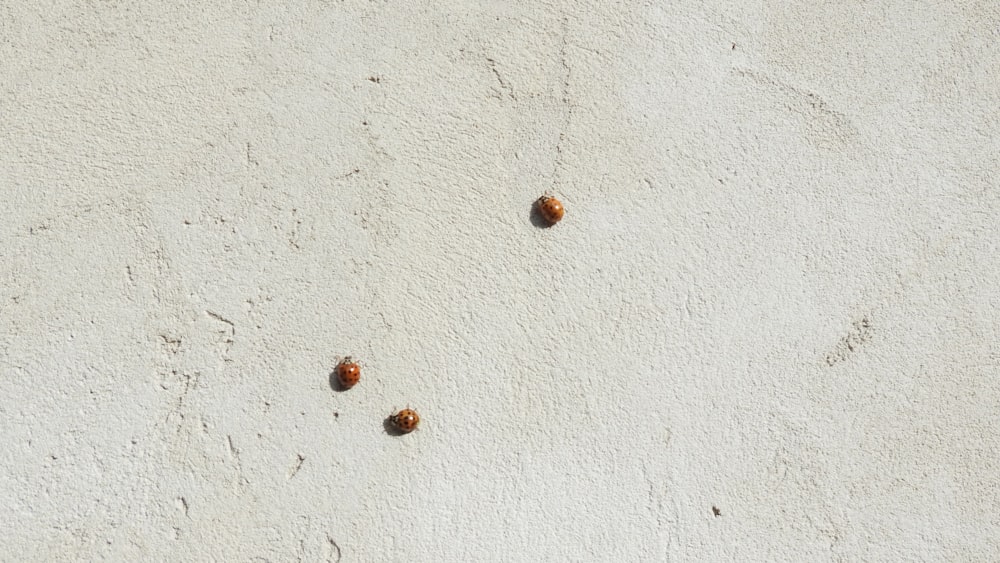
(551, 209)
(405, 421)
(348, 373)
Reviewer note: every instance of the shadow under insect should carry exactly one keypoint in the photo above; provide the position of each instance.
(390, 426)
(536, 217)
(335, 383)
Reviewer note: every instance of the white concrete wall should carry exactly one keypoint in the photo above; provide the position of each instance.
(775, 292)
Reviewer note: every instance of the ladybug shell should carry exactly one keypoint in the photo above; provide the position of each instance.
(406, 420)
(551, 209)
(348, 374)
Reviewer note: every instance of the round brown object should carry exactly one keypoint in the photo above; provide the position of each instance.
(405, 420)
(551, 209)
(348, 373)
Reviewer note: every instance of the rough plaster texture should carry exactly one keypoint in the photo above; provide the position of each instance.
(775, 291)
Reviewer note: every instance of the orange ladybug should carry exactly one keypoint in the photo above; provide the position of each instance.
(348, 373)
(405, 420)
(551, 209)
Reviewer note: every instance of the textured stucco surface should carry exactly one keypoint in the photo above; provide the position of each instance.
(775, 292)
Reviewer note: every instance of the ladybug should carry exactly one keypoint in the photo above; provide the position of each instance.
(405, 420)
(551, 209)
(348, 373)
